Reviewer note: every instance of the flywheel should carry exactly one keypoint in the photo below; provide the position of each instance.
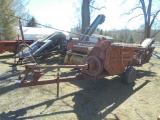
(95, 66)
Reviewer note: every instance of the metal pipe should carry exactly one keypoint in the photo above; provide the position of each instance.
(21, 30)
(63, 66)
(99, 20)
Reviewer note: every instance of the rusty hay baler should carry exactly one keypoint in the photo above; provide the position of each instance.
(104, 59)
(95, 60)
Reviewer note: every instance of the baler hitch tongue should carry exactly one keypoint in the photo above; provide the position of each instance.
(36, 73)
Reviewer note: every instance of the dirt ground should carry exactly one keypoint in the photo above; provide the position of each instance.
(104, 99)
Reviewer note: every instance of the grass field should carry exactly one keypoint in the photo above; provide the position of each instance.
(104, 99)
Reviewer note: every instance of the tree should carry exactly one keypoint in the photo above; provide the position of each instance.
(101, 32)
(149, 14)
(130, 39)
(85, 14)
(31, 23)
(84, 11)
(10, 10)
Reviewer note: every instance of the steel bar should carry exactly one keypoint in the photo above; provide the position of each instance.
(63, 66)
(50, 81)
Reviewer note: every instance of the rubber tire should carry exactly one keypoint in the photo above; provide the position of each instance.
(129, 75)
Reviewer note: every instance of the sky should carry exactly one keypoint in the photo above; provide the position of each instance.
(61, 14)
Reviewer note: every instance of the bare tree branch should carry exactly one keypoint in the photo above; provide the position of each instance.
(97, 8)
(155, 15)
(132, 10)
(157, 19)
(134, 17)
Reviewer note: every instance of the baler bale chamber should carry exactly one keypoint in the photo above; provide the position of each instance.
(106, 58)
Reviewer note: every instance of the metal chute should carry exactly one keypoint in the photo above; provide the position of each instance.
(55, 41)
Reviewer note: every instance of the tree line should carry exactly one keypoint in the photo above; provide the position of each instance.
(123, 35)
(127, 35)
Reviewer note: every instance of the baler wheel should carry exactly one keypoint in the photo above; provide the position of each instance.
(129, 75)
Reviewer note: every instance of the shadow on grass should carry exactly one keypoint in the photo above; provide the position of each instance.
(6, 56)
(4, 90)
(5, 62)
(96, 100)
(156, 55)
(9, 74)
(13, 115)
(8, 78)
(143, 73)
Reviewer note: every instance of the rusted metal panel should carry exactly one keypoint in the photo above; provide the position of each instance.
(11, 45)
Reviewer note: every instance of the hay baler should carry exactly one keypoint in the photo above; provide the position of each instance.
(95, 60)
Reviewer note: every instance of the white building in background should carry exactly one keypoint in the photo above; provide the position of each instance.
(32, 33)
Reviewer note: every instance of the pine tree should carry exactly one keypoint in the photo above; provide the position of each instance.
(130, 40)
(31, 23)
(101, 32)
